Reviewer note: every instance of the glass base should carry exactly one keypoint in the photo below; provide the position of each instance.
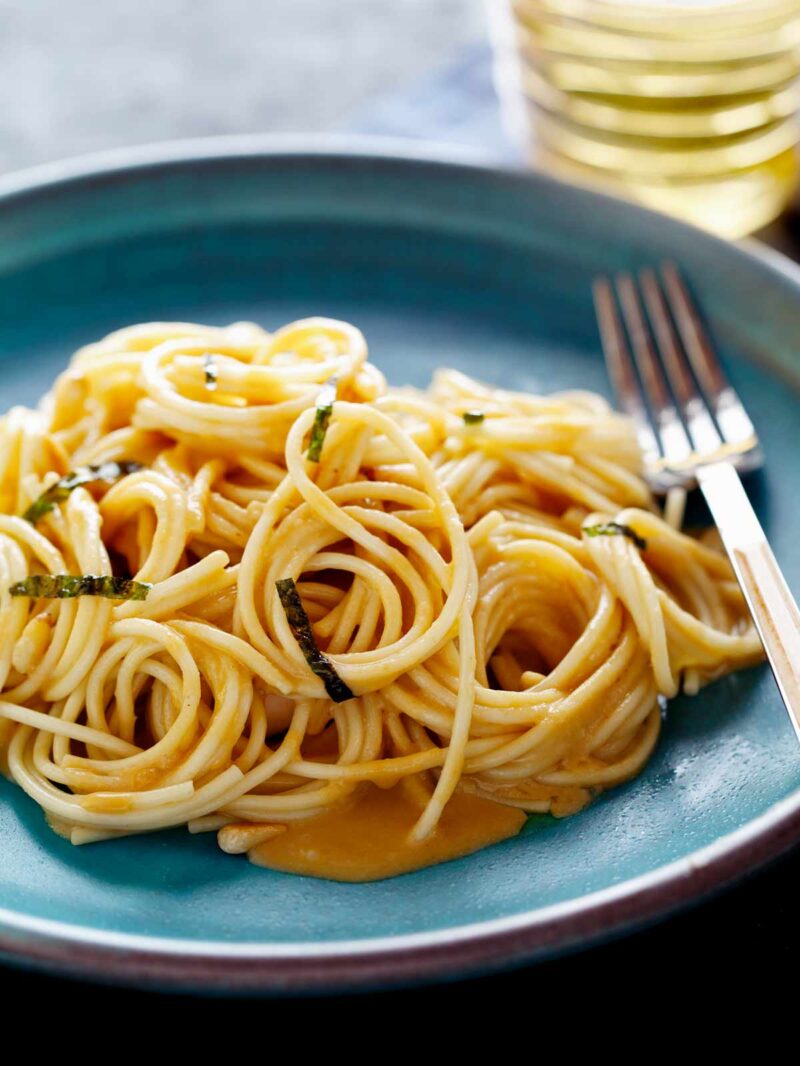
(731, 205)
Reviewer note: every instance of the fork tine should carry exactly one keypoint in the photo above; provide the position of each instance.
(731, 417)
(675, 443)
(696, 414)
(619, 363)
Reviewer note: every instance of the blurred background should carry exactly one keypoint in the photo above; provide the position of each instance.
(688, 106)
(80, 77)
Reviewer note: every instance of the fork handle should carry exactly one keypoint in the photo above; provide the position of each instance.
(771, 604)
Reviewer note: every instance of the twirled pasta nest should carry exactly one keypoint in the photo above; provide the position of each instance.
(483, 572)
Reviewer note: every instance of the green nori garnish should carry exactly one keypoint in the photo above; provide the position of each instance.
(84, 475)
(68, 586)
(211, 371)
(611, 529)
(301, 629)
(325, 402)
(473, 418)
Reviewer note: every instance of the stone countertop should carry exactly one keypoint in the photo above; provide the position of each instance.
(81, 76)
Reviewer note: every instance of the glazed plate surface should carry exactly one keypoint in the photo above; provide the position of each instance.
(441, 263)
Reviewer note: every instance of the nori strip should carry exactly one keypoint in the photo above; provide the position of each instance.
(301, 629)
(473, 418)
(68, 586)
(84, 475)
(211, 371)
(325, 402)
(610, 529)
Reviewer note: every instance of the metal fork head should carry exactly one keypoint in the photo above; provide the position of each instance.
(668, 378)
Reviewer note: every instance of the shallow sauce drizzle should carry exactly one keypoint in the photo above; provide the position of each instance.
(369, 839)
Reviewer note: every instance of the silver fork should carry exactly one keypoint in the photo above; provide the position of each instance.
(693, 430)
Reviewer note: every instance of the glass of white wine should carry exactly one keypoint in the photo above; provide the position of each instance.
(687, 106)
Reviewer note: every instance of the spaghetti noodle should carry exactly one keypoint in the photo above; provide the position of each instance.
(463, 591)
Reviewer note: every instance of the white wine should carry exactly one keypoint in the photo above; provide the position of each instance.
(687, 107)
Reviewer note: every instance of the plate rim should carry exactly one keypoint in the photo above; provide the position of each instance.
(262, 967)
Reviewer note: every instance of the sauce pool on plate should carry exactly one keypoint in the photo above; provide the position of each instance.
(368, 840)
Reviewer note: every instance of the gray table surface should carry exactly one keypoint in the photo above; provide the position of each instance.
(85, 75)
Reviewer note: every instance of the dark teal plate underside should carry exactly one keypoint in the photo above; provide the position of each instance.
(439, 265)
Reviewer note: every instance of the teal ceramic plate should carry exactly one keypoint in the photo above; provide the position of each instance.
(440, 263)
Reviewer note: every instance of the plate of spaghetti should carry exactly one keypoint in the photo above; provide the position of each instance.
(341, 639)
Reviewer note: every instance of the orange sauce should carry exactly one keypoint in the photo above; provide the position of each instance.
(106, 802)
(369, 840)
